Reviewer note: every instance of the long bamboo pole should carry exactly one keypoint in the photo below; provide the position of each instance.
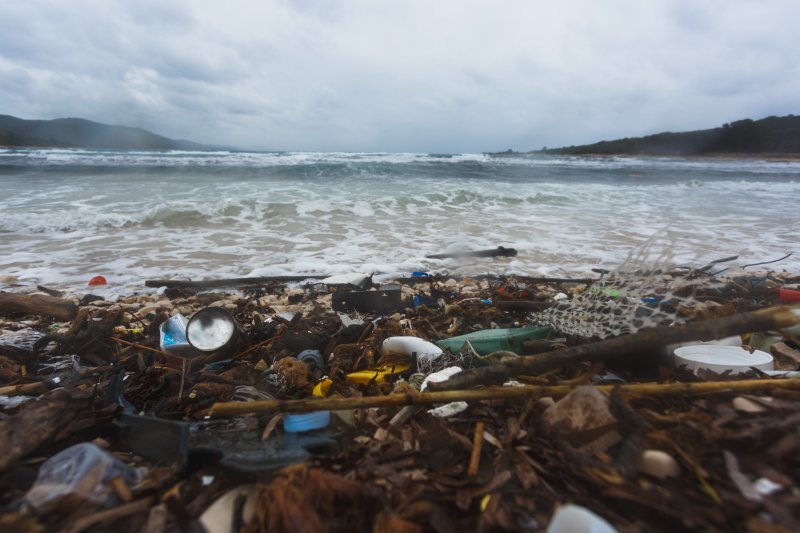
(644, 342)
(222, 409)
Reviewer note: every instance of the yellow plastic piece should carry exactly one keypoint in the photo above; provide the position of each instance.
(485, 502)
(362, 377)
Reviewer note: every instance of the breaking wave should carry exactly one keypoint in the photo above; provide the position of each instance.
(130, 215)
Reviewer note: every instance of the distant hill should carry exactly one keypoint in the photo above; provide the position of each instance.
(771, 135)
(80, 133)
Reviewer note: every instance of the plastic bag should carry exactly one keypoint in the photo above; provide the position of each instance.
(85, 471)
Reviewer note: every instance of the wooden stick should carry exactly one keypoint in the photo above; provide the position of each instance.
(211, 283)
(477, 446)
(139, 506)
(143, 347)
(183, 378)
(257, 346)
(44, 386)
(27, 388)
(221, 409)
(644, 341)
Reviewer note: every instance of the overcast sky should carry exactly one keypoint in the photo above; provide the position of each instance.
(428, 76)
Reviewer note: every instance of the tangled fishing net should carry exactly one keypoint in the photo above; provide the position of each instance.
(646, 291)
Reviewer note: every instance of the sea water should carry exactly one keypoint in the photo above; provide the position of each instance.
(68, 215)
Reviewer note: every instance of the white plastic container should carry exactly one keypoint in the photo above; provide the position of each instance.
(720, 359)
(411, 345)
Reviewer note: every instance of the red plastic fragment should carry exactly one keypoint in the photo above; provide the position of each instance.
(97, 280)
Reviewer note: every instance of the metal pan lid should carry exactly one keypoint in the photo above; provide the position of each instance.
(210, 329)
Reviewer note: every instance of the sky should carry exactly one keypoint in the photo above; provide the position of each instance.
(445, 76)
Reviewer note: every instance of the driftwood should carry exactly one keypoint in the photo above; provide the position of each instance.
(211, 283)
(38, 304)
(495, 252)
(648, 340)
(37, 423)
(221, 409)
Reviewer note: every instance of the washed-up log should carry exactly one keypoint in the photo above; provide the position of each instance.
(495, 252)
(38, 304)
(221, 409)
(645, 343)
(211, 283)
(36, 423)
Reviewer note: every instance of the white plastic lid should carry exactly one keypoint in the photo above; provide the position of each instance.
(721, 359)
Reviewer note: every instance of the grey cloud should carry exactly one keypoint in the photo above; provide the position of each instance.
(358, 75)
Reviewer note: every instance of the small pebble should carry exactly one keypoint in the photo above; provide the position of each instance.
(746, 405)
(659, 464)
(545, 402)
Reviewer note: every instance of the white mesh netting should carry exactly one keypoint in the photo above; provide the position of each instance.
(647, 290)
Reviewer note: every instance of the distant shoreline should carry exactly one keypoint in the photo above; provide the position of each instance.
(732, 156)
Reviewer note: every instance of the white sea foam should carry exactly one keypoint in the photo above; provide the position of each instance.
(207, 215)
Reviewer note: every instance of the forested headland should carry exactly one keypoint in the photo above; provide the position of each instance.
(768, 136)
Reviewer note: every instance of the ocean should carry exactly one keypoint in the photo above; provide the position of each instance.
(68, 215)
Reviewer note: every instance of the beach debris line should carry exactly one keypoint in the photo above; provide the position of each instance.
(645, 343)
(302, 417)
(226, 282)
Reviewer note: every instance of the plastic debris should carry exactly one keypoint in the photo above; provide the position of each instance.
(211, 329)
(84, 471)
(576, 519)
(721, 359)
(398, 465)
(97, 280)
(449, 409)
(173, 335)
(487, 341)
(306, 422)
(582, 410)
(221, 515)
(425, 352)
(380, 301)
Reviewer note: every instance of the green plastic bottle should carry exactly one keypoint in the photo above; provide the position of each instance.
(487, 341)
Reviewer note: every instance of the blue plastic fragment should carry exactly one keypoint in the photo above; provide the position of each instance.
(424, 300)
(420, 274)
(306, 421)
